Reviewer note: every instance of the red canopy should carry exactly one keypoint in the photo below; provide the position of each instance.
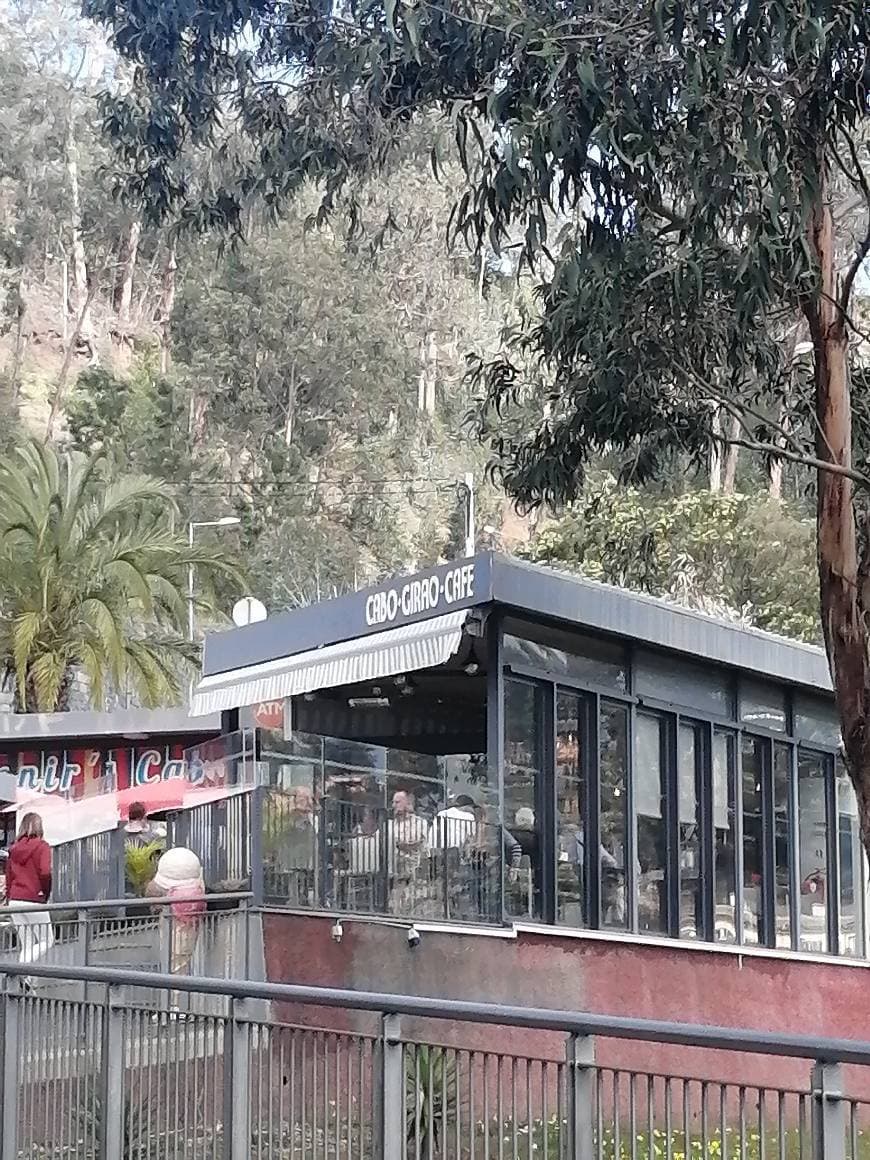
(175, 794)
(155, 796)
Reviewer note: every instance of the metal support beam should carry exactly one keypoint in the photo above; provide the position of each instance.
(110, 1121)
(237, 1081)
(829, 1112)
(11, 1017)
(582, 1079)
(391, 1091)
(240, 1079)
(257, 821)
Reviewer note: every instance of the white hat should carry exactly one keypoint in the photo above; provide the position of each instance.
(525, 818)
(177, 865)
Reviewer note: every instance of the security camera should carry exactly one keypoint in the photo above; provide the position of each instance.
(413, 937)
(337, 931)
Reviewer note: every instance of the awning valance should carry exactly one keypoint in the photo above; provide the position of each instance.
(383, 654)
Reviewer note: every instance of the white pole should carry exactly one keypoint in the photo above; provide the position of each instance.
(469, 514)
(191, 626)
(64, 266)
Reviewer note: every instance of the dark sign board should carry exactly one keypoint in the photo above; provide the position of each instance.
(398, 601)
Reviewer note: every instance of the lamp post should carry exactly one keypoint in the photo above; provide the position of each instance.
(192, 528)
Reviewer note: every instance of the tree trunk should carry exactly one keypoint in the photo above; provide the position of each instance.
(716, 453)
(20, 342)
(842, 604)
(60, 390)
(80, 269)
(729, 479)
(167, 302)
(123, 292)
(428, 374)
(291, 407)
(775, 470)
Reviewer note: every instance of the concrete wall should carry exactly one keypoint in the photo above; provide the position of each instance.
(671, 982)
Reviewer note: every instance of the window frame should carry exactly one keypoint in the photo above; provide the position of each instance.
(671, 716)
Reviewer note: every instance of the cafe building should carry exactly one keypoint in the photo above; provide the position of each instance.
(649, 811)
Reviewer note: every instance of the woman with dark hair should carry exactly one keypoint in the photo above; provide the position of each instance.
(28, 885)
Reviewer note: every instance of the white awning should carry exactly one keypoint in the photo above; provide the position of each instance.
(383, 654)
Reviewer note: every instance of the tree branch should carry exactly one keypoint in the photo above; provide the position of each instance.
(794, 454)
(859, 178)
(794, 457)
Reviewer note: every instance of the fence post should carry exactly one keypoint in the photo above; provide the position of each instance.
(80, 947)
(237, 1082)
(390, 1091)
(829, 1112)
(118, 863)
(582, 1079)
(11, 1016)
(257, 819)
(110, 1123)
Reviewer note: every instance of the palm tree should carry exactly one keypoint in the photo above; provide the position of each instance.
(93, 580)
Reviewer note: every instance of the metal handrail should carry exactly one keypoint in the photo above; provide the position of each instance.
(117, 903)
(740, 1040)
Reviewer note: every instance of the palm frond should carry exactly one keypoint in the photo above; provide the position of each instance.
(94, 577)
(47, 673)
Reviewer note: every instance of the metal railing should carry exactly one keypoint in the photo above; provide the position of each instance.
(219, 833)
(373, 861)
(90, 867)
(224, 941)
(396, 1078)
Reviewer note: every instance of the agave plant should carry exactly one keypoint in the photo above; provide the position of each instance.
(139, 1140)
(431, 1096)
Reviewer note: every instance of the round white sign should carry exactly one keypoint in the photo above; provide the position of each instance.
(248, 610)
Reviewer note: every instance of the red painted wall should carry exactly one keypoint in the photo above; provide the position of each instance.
(575, 974)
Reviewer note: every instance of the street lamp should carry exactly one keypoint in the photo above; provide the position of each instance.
(192, 527)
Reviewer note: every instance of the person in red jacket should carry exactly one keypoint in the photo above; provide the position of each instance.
(28, 884)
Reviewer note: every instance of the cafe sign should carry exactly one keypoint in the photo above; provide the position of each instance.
(432, 594)
(81, 772)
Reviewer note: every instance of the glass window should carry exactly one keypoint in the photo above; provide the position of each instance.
(649, 794)
(560, 654)
(683, 683)
(570, 804)
(763, 706)
(613, 852)
(816, 720)
(523, 774)
(851, 860)
(688, 769)
(725, 835)
(782, 782)
(813, 772)
(753, 847)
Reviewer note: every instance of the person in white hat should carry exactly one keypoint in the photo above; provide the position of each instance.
(179, 876)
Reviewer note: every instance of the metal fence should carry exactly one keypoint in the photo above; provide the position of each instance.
(219, 833)
(222, 942)
(91, 867)
(114, 1078)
